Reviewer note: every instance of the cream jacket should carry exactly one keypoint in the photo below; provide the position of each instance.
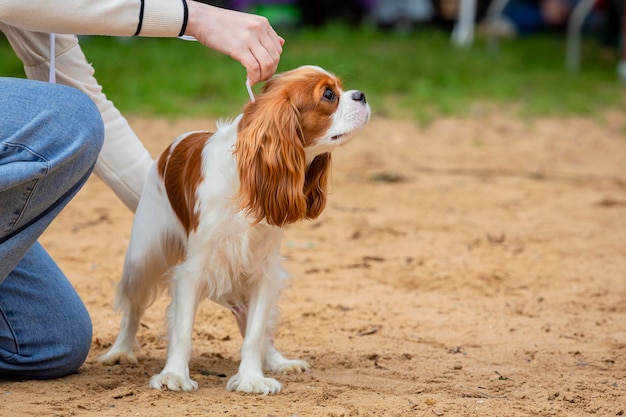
(124, 162)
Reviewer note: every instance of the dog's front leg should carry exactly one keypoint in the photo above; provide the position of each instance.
(250, 377)
(187, 291)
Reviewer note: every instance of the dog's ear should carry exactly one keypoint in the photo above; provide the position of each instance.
(271, 160)
(315, 184)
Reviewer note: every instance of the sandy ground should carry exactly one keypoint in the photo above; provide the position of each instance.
(476, 266)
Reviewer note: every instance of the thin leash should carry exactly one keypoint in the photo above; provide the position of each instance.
(52, 75)
(52, 78)
(249, 88)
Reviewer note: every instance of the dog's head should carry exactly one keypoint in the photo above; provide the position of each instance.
(284, 142)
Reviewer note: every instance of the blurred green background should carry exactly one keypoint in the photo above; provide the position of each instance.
(413, 74)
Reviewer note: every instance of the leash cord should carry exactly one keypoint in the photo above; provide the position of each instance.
(52, 75)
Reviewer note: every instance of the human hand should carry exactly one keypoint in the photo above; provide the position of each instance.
(248, 38)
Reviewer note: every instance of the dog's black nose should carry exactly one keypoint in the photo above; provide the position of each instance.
(359, 96)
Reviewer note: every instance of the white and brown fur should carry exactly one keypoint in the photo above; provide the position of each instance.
(210, 217)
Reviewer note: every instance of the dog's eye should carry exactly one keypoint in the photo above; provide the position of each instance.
(329, 95)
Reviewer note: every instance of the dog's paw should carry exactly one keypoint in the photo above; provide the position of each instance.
(254, 384)
(286, 366)
(172, 382)
(112, 358)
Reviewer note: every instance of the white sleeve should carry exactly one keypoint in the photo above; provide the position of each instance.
(123, 162)
(156, 18)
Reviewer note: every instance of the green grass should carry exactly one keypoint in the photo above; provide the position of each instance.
(418, 75)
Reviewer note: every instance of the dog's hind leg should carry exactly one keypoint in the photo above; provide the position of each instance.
(132, 301)
(143, 271)
(274, 360)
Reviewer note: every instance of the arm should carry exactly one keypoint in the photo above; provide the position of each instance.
(88, 17)
(123, 162)
(247, 38)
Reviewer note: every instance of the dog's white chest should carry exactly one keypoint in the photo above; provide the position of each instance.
(238, 257)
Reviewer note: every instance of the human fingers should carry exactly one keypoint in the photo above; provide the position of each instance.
(267, 56)
(263, 54)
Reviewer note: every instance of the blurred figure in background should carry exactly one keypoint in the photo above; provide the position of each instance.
(532, 16)
(402, 14)
(613, 35)
(528, 17)
(447, 12)
(621, 68)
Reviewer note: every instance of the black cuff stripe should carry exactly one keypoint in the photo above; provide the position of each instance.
(185, 18)
(140, 19)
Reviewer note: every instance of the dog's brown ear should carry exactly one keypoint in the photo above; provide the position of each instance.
(271, 160)
(315, 184)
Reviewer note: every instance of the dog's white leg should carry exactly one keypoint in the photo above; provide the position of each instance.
(122, 350)
(274, 361)
(187, 292)
(135, 293)
(250, 376)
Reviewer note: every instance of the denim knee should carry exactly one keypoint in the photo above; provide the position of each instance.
(45, 328)
(54, 121)
(68, 352)
(51, 349)
(73, 350)
(84, 123)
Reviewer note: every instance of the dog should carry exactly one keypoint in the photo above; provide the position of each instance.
(210, 218)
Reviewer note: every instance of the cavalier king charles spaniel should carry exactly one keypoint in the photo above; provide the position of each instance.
(209, 222)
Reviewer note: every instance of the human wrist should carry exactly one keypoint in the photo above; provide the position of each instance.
(197, 15)
(162, 18)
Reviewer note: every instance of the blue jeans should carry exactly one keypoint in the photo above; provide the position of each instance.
(50, 137)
